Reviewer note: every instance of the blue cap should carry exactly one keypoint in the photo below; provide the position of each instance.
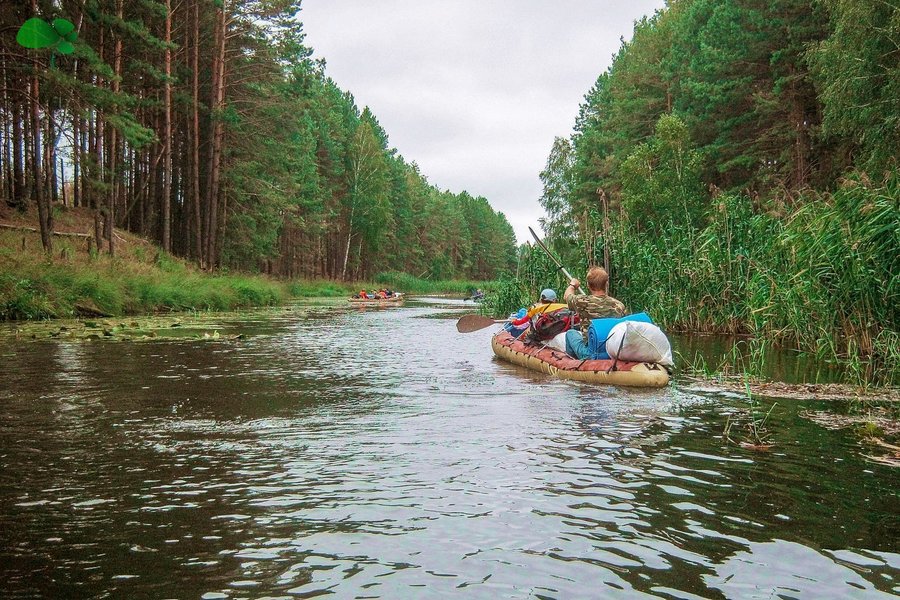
(548, 295)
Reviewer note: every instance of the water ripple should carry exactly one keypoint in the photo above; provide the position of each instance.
(382, 455)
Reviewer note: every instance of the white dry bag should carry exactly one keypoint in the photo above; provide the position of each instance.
(636, 341)
(558, 342)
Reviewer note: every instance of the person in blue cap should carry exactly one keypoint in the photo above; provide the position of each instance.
(546, 304)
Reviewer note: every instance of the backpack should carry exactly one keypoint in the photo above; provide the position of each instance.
(546, 326)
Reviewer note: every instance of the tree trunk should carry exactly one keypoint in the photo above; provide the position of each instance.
(195, 137)
(347, 247)
(62, 179)
(76, 160)
(39, 195)
(7, 138)
(113, 145)
(50, 160)
(215, 155)
(167, 133)
(18, 195)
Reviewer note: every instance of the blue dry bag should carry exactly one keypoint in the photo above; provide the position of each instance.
(599, 330)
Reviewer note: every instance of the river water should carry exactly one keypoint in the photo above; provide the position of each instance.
(367, 453)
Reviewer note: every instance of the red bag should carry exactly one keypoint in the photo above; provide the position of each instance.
(548, 325)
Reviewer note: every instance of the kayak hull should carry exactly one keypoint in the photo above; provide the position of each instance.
(553, 362)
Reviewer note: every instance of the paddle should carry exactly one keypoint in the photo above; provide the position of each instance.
(470, 323)
(553, 258)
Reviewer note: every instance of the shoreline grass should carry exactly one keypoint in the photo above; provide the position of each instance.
(141, 279)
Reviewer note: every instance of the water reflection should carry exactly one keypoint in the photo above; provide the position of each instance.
(378, 453)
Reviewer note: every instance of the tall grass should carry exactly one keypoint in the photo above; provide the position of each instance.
(410, 284)
(35, 286)
(506, 297)
(320, 288)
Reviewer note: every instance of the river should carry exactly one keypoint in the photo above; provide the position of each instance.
(377, 453)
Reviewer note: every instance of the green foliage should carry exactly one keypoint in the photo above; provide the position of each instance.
(661, 185)
(732, 206)
(319, 192)
(33, 289)
(857, 68)
(22, 299)
(254, 292)
(320, 289)
(506, 297)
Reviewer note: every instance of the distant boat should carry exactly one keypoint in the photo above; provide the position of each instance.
(396, 298)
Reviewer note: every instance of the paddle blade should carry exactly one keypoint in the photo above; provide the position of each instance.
(470, 323)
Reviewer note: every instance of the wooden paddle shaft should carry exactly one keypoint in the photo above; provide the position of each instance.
(553, 258)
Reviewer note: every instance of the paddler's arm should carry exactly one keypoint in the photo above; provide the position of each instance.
(570, 293)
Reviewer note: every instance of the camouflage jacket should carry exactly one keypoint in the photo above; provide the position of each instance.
(594, 307)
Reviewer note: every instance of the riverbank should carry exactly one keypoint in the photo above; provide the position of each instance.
(76, 280)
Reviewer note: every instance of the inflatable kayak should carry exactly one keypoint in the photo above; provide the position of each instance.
(395, 299)
(553, 362)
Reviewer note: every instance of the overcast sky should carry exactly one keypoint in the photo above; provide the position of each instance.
(474, 91)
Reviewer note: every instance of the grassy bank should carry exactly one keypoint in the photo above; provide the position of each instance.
(142, 279)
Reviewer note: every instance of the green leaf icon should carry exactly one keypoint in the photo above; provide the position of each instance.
(36, 33)
(66, 30)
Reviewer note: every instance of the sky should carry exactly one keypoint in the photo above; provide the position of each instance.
(473, 91)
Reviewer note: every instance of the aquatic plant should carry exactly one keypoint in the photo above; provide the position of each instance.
(753, 421)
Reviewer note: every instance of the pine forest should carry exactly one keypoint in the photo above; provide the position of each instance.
(207, 126)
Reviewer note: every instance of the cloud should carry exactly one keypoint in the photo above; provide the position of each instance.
(473, 91)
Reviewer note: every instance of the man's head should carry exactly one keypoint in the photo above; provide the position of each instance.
(597, 279)
(548, 295)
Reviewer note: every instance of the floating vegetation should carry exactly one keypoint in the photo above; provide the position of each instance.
(871, 424)
(176, 327)
(801, 391)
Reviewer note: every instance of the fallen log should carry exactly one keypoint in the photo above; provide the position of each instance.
(34, 230)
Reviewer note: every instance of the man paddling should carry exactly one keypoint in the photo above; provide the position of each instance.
(595, 305)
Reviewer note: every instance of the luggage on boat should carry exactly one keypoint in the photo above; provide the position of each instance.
(546, 326)
(512, 329)
(558, 342)
(639, 341)
(599, 331)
